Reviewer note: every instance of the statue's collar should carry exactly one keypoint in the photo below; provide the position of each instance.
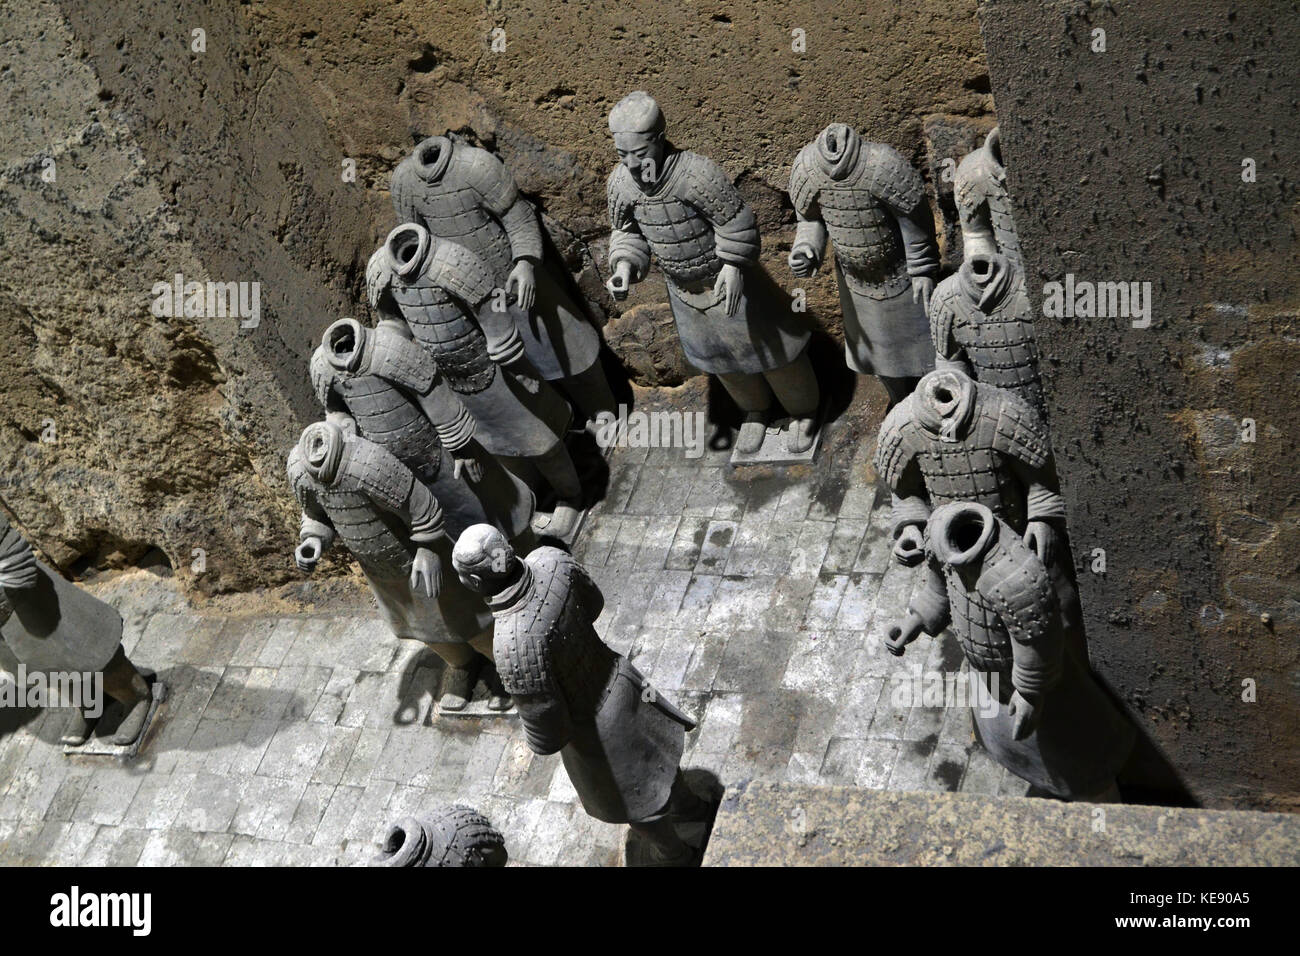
(432, 157)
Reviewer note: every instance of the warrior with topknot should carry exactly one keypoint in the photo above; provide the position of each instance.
(681, 209)
(620, 740)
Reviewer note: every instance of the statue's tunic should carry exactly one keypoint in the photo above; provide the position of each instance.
(49, 623)
(446, 299)
(1002, 606)
(620, 741)
(693, 221)
(980, 317)
(374, 505)
(984, 204)
(392, 390)
(871, 203)
(466, 195)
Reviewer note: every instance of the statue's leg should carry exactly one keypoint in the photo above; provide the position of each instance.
(78, 730)
(498, 699)
(459, 675)
(590, 392)
(750, 391)
(124, 683)
(663, 847)
(557, 468)
(797, 390)
(898, 387)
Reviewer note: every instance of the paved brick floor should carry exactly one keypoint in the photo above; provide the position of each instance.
(755, 597)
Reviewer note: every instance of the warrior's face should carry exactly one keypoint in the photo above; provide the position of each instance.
(642, 154)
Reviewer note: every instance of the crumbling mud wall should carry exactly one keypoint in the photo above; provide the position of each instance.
(1162, 150)
(218, 140)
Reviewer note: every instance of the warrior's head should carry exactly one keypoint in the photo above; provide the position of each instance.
(637, 124)
(321, 447)
(484, 560)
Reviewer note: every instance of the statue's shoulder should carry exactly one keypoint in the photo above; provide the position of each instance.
(806, 179)
(377, 471)
(482, 171)
(891, 177)
(396, 358)
(621, 195)
(322, 375)
(460, 271)
(551, 562)
(899, 440)
(1017, 429)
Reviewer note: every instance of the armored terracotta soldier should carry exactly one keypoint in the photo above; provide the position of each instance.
(466, 195)
(1051, 724)
(681, 208)
(954, 439)
(454, 836)
(871, 203)
(984, 205)
(392, 389)
(982, 324)
(52, 626)
(353, 490)
(445, 295)
(621, 742)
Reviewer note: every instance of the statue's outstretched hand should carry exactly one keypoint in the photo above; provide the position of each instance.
(902, 634)
(308, 554)
(803, 260)
(909, 546)
(620, 281)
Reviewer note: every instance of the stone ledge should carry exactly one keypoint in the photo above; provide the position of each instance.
(786, 825)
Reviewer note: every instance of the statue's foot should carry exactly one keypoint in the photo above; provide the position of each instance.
(128, 731)
(752, 431)
(498, 699)
(79, 730)
(563, 519)
(457, 688)
(801, 433)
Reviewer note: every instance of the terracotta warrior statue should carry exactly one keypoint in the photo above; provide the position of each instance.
(983, 203)
(871, 203)
(982, 324)
(394, 392)
(954, 439)
(52, 626)
(682, 208)
(446, 296)
(453, 836)
(1052, 725)
(621, 741)
(467, 196)
(354, 490)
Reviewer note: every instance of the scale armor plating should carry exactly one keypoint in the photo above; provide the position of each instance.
(386, 417)
(433, 301)
(979, 466)
(682, 220)
(545, 643)
(367, 476)
(853, 207)
(467, 196)
(997, 340)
